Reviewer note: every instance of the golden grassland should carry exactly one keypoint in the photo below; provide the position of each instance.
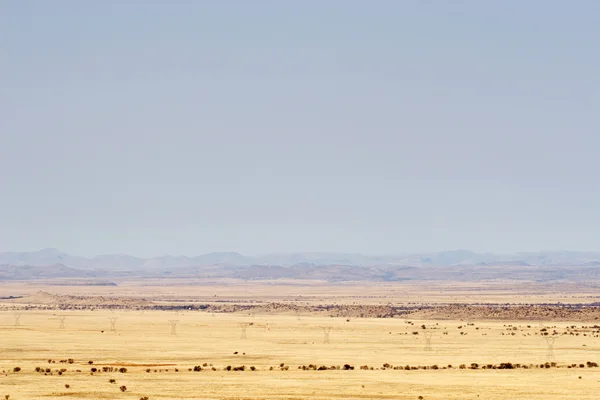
(143, 341)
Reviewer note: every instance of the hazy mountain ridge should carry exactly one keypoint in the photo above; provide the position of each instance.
(446, 265)
(47, 257)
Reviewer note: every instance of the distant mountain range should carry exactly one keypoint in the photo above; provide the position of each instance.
(460, 264)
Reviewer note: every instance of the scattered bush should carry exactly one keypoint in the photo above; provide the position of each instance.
(506, 366)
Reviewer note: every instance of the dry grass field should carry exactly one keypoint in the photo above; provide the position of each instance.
(161, 365)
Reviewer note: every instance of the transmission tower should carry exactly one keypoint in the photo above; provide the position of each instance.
(113, 322)
(540, 323)
(173, 323)
(17, 319)
(326, 331)
(428, 335)
(550, 350)
(61, 318)
(244, 326)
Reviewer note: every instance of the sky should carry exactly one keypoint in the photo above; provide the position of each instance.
(380, 127)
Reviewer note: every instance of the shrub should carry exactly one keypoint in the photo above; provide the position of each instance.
(122, 370)
(123, 388)
(506, 366)
(67, 385)
(112, 381)
(16, 369)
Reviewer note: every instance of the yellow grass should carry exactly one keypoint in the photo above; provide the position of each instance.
(142, 339)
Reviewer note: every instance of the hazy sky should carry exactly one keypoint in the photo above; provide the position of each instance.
(184, 127)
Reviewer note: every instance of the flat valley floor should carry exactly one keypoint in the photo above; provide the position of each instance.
(278, 353)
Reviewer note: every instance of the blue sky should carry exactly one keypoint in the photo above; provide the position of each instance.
(184, 127)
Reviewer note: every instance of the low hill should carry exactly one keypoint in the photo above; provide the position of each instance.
(49, 299)
(29, 272)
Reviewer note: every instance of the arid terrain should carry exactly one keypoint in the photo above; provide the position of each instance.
(389, 341)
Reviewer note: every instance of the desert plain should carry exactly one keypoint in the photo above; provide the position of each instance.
(233, 340)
